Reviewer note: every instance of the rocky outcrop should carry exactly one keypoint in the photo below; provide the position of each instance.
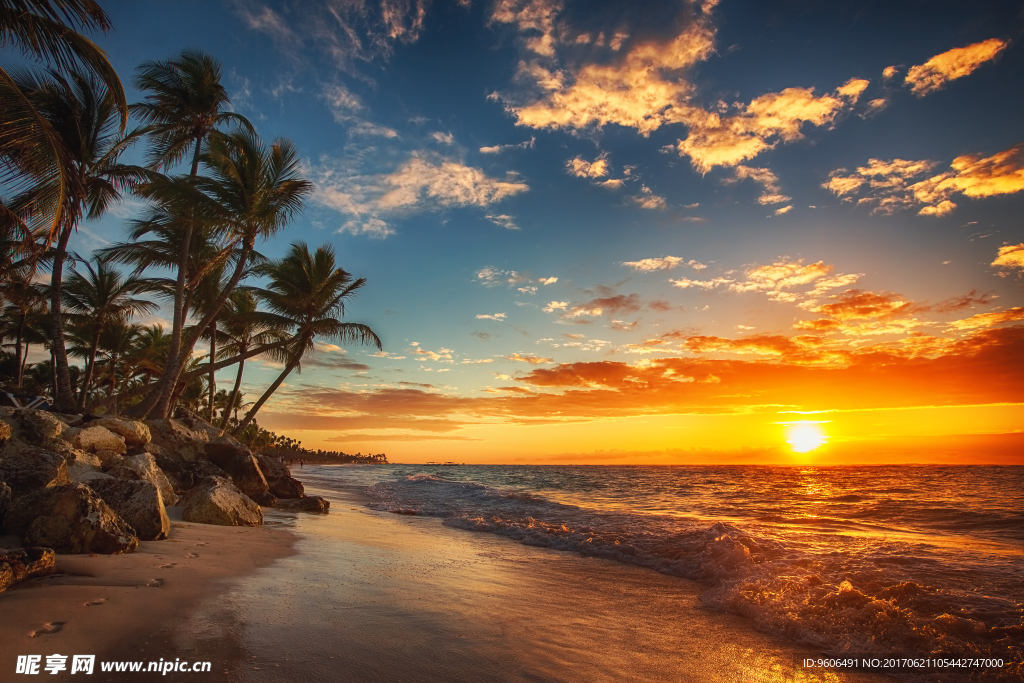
(24, 563)
(83, 473)
(176, 439)
(279, 478)
(144, 468)
(135, 433)
(35, 427)
(137, 502)
(306, 504)
(31, 468)
(70, 519)
(217, 501)
(239, 463)
(96, 438)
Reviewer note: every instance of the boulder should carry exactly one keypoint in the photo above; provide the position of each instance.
(5, 500)
(24, 563)
(5, 432)
(137, 502)
(217, 501)
(176, 439)
(305, 504)
(36, 427)
(98, 438)
(239, 463)
(144, 468)
(178, 471)
(32, 468)
(109, 459)
(70, 420)
(279, 479)
(70, 519)
(135, 433)
(83, 473)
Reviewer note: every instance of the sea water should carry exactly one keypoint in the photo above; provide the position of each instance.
(910, 560)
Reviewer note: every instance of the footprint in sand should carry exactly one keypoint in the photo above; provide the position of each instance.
(155, 583)
(199, 544)
(168, 566)
(97, 601)
(47, 629)
(192, 556)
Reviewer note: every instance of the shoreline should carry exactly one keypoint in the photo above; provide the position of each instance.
(134, 607)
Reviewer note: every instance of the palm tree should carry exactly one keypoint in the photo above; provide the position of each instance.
(83, 113)
(116, 343)
(185, 105)
(254, 191)
(243, 330)
(98, 297)
(307, 293)
(23, 297)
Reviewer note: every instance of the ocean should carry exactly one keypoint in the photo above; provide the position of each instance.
(898, 560)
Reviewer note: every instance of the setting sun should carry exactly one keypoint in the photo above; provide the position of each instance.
(805, 436)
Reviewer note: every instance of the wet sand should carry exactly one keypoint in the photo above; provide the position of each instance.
(368, 596)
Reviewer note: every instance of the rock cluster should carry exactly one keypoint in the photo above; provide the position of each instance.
(72, 484)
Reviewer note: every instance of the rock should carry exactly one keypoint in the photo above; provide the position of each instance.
(135, 433)
(36, 427)
(83, 473)
(109, 459)
(238, 461)
(32, 468)
(5, 500)
(24, 563)
(5, 432)
(90, 459)
(70, 420)
(70, 519)
(306, 504)
(177, 470)
(279, 479)
(176, 439)
(144, 468)
(137, 502)
(70, 433)
(99, 438)
(198, 424)
(217, 501)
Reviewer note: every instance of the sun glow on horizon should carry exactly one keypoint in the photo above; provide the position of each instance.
(805, 436)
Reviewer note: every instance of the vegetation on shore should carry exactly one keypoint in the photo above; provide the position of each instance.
(214, 191)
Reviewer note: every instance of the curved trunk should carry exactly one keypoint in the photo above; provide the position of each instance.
(164, 405)
(212, 381)
(90, 369)
(19, 362)
(64, 398)
(233, 400)
(251, 415)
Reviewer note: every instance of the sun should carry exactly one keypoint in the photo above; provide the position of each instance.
(805, 436)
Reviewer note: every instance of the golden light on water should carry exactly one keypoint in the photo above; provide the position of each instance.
(804, 437)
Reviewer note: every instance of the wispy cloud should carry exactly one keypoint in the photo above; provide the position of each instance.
(951, 65)
(497, 149)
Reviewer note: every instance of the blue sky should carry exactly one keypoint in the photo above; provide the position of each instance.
(535, 186)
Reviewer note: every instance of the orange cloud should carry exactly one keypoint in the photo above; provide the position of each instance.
(1010, 256)
(948, 66)
(581, 168)
(855, 304)
(534, 360)
(989, 319)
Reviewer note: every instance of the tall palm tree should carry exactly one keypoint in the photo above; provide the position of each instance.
(243, 330)
(116, 343)
(23, 297)
(84, 115)
(46, 31)
(184, 106)
(307, 293)
(98, 297)
(254, 191)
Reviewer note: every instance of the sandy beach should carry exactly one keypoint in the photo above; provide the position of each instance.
(361, 595)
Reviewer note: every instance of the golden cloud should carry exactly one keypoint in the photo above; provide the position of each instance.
(956, 63)
(1010, 256)
(989, 319)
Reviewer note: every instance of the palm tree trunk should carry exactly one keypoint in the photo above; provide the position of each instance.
(53, 373)
(232, 402)
(19, 362)
(212, 381)
(90, 368)
(64, 399)
(251, 415)
(163, 407)
(161, 397)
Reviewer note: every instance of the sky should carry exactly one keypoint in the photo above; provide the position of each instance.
(664, 232)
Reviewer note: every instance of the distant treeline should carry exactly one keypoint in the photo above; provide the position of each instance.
(321, 457)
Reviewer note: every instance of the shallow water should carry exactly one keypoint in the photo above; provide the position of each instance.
(913, 560)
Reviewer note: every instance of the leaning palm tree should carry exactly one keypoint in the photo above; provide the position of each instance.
(46, 31)
(97, 297)
(83, 113)
(254, 191)
(243, 330)
(307, 293)
(184, 106)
